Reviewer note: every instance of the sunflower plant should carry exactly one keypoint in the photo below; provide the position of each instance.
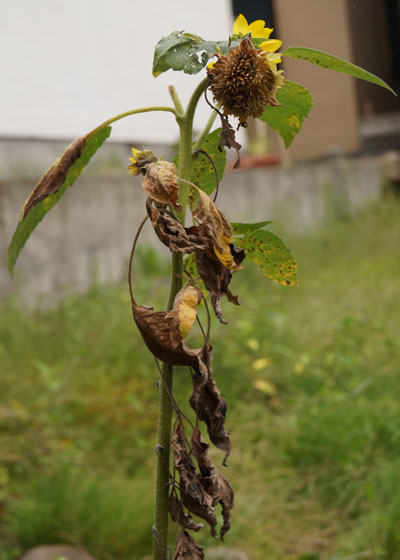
(240, 79)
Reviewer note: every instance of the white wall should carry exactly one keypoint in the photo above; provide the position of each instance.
(67, 65)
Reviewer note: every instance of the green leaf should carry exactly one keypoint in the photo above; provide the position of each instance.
(243, 229)
(62, 174)
(295, 104)
(271, 254)
(186, 52)
(203, 174)
(331, 62)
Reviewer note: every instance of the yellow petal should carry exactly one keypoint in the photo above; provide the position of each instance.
(135, 154)
(240, 27)
(263, 33)
(275, 57)
(271, 45)
(256, 26)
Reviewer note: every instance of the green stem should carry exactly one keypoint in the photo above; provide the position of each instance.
(186, 144)
(164, 433)
(175, 99)
(134, 112)
(185, 122)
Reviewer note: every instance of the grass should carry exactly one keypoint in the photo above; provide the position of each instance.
(311, 376)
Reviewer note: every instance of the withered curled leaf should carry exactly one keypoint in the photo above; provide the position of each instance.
(163, 342)
(54, 178)
(187, 549)
(217, 228)
(160, 334)
(212, 480)
(216, 277)
(161, 183)
(172, 233)
(178, 515)
(193, 494)
(227, 139)
(210, 407)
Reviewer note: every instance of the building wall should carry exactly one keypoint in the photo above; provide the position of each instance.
(333, 122)
(67, 65)
(371, 50)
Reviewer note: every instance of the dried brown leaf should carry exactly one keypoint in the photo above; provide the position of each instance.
(193, 494)
(187, 549)
(210, 407)
(161, 331)
(227, 139)
(179, 516)
(216, 277)
(156, 330)
(217, 228)
(172, 233)
(215, 484)
(161, 183)
(54, 178)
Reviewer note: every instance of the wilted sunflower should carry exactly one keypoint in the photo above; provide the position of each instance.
(245, 80)
(140, 161)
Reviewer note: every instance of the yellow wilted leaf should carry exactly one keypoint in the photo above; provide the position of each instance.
(218, 228)
(184, 311)
(260, 363)
(265, 387)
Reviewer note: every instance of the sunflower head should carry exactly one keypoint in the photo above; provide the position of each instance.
(140, 161)
(244, 81)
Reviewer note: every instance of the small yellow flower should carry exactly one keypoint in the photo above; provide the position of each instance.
(140, 160)
(257, 30)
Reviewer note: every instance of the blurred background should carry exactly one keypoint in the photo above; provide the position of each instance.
(310, 373)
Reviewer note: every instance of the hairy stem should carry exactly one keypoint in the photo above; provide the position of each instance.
(164, 433)
(135, 112)
(185, 122)
(175, 99)
(186, 144)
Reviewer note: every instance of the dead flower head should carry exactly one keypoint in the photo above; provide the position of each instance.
(245, 80)
(140, 161)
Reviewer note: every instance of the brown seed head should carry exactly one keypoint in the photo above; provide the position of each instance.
(243, 82)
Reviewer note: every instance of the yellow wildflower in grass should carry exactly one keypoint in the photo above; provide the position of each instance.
(140, 161)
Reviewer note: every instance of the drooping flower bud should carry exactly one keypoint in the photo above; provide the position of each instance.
(140, 161)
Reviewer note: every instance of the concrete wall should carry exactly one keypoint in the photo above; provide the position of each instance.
(89, 232)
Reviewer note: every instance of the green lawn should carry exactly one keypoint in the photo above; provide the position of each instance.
(312, 379)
